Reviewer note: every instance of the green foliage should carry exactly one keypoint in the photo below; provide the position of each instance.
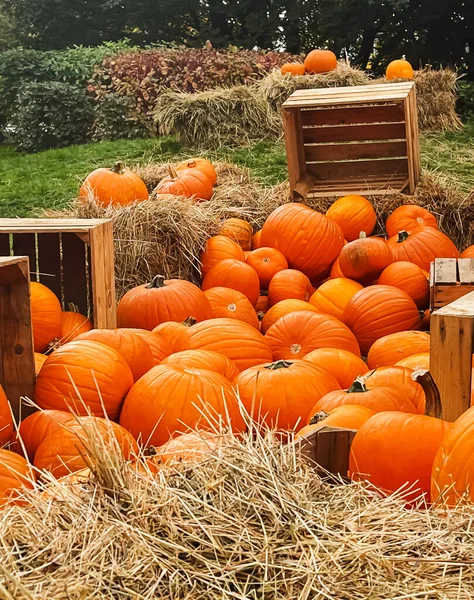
(116, 118)
(49, 115)
(465, 103)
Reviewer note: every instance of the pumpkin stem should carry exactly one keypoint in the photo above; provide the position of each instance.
(402, 236)
(433, 407)
(362, 235)
(173, 172)
(189, 322)
(72, 307)
(157, 282)
(318, 417)
(357, 387)
(118, 168)
(279, 364)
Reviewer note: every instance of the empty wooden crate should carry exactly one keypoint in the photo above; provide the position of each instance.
(72, 257)
(352, 140)
(450, 279)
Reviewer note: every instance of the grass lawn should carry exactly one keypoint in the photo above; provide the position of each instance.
(30, 182)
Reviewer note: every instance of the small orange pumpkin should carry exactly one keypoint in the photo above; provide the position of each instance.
(354, 214)
(422, 246)
(267, 262)
(236, 275)
(320, 61)
(16, 476)
(46, 316)
(399, 69)
(408, 217)
(285, 307)
(410, 278)
(400, 379)
(189, 183)
(347, 416)
(239, 231)
(390, 349)
(289, 284)
(170, 332)
(293, 69)
(218, 248)
(468, 252)
(202, 164)
(116, 186)
(73, 324)
(38, 426)
(204, 359)
(226, 302)
(364, 259)
(416, 362)
(342, 364)
(257, 240)
(333, 295)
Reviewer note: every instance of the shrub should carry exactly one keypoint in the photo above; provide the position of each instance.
(49, 115)
(115, 117)
(465, 102)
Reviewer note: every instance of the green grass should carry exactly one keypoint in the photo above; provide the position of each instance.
(51, 179)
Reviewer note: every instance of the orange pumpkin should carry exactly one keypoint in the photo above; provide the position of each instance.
(364, 259)
(117, 186)
(309, 240)
(39, 361)
(240, 342)
(188, 448)
(336, 272)
(468, 252)
(416, 362)
(399, 69)
(267, 262)
(293, 69)
(285, 307)
(281, 394)
(379, 310)
(229, 303)
(169, 332)
(236, 275)
(157, 346)
(297, 334)
(204, 359)
(408, 218)
(422, 246)
(410, 278)
(342, 364)
(46, 316)
(6, 419)
(132, 347)
(239, 231)
(354, 214)
(287, 285)
(202, 164)
(390, 349)
(16, 476)
(171, 399)
(333, 295)
(400, 379)
(73, 324)
(347, 416)
(219, 248)
(189, 183)
(84, 375)
(38, 426)
(320, 61)
(262, 305)
(425, 321)
(257, 240)
(146, 306)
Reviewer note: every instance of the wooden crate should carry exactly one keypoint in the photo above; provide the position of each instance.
(329, 448)
(358, 140)
(72, 257)
(450, 279)
(17, 365)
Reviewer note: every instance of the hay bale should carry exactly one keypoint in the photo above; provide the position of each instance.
(212, 119)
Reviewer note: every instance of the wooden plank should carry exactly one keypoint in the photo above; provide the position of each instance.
(24, 244)
(355, 151)
(445, 271)
(329, 448)
(354, 133)
(364, 93)
(415, 135)
(344, 100)
(17, 367)
(102, 273)
(409, 137)
(49, 261)
(74, 272)
(294, 146)
(466, 270)
(4, 244)
(357, 169)
(404, 86)
(445, 294)
(353, 115)
(303, 186)
(48, 225)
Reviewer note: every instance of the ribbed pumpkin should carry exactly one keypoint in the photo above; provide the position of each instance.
(410, 278)
(297, 334)
(231, 304)
(336, 270)
(422, 246)
(342, 364)
(347, 416)
(73, 324)
(16, 476)
(280, 309)
(204, 359)
(240, 342)
(148, 305)
(188, 447)
(46, 316)
(267, 262)
(408, 218)
(320, 61)
(280, 395)
(468, 252)
(170, 332)
(38, 426)
(416, 362)
(332, 296)
(116, 186)
(257, 240)
(262, 305)
(84, 375)
(157, 346)
(6, 419)
(132, 347)
(236, 275)
(239, 231)
(399, 69)
(364, 259)
(354, 214)
(400, 379)
(40, 359)
(379, 310)
(189, 183)
(309, 240)
(394, 347)
(293, 69)
(287, 285)
(202, 164)
(171, 399)
(219, 248)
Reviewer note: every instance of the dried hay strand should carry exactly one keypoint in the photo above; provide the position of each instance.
(251, 521)
(436, 97)
(212, 119)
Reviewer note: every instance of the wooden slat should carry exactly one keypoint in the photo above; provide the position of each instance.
(74, 272)
(353, 115)
(4, 244)
(344, 100)
(348, 151)
(444, 294)
(354, 133)
(49, 225)
(294, 146)
(329, 448)
(358, 94)
(415, 137)
(49, 261)
(102, 273)
(445, 271)
(466, 270)
(358, 169)
(24, 244)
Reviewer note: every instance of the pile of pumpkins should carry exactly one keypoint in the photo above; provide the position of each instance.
(309, 321)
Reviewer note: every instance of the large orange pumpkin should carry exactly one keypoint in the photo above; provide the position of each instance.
(347, 416)
(394, 450)
(289, 284)
(204, 359)
(148, 305)
(239, 341)
(38, 426)
(320, 61)
(171, 399)
(73, 324)
(399, 69)
(40, 359)
(219, 248)
(379, 310)
(229, 303)
(364, 259)
(422, 246)
(336, 271)
(116, 186)
(354, 214)
(6, 419)
(132, 347)
(84, 375)
(297, 334)
(267, 262)
(293, 69)
(157, 346)
(239, 231)
(257, 240)
(400, 379)
(236, 275)
(408, 218)
(189, 183)
(202, 164)
(194, 447)
(309, 241)
(16, 476)
(416, 362)
(280, 309)
(169, 333)
(390, 349)
(333, 295)
(281, 394)
(342, 364)
(410, 278)
(46, 316)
